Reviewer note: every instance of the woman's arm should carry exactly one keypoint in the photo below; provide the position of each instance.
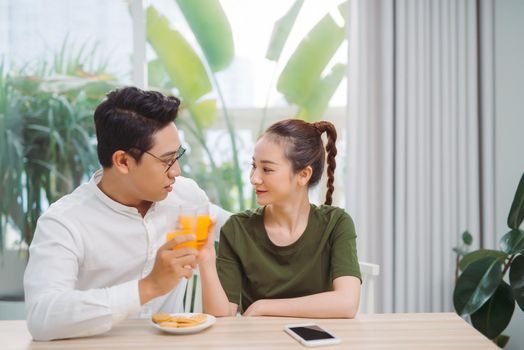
(342, 302)
(214, 299)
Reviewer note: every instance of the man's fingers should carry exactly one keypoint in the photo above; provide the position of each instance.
(187, 273)
(177, 240)
(185, 260)
(183, 252)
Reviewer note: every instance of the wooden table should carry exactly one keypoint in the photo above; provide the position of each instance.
(377, 331)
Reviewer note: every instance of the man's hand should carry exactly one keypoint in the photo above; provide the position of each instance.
(170, 266)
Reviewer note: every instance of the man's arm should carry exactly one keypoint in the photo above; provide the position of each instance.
(56, 310)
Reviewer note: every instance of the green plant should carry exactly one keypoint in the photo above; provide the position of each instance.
(179, 68)
(11, 152)
(481, 291)
(46, 134)
(193, 77)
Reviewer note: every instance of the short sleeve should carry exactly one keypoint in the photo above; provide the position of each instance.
(344, 260)
(228, 264)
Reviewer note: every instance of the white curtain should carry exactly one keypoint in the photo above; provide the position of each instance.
(419, 133)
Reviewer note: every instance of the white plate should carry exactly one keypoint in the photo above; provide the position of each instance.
(186, 330)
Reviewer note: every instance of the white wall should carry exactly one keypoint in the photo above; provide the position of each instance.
(509, 124)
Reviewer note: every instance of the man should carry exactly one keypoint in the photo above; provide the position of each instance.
(99, 254)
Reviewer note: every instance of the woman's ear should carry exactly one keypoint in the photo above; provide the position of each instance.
(121, 161)
(304, 175)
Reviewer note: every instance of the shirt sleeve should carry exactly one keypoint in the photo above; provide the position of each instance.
(55, 309)
(344, 260)
(228, 264)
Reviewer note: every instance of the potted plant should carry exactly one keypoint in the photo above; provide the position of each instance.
(492, 281)
(46, 149)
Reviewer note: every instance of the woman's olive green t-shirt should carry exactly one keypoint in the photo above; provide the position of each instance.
(251, 267)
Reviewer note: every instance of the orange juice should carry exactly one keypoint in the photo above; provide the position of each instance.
(202, 230)
(186, 222)
(190, 244)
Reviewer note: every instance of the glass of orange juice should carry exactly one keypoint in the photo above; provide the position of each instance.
(186, 224)
(203, 224)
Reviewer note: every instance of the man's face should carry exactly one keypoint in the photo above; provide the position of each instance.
(149, 178)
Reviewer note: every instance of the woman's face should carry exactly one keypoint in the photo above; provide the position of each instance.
(271, 173)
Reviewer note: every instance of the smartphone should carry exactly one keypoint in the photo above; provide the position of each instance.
(310, 334)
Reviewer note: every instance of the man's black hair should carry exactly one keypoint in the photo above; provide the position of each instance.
(127, 120)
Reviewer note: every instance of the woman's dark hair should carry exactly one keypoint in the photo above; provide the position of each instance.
(303, 146)
(127, 120)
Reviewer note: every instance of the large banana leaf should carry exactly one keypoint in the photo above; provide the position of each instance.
(181, 62)
(204, 113)
(476, 285)
(281, 31)
(211, 29)
(494, 316)
(317, 102)
(157, 75)
(516, 213)
(516, 279)
(306, 64)
(343, 9)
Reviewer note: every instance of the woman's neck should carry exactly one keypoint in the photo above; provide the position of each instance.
(286, 222)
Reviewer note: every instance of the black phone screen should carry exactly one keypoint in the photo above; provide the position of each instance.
(311, 333)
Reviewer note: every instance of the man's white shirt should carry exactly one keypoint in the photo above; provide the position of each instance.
(88, 254)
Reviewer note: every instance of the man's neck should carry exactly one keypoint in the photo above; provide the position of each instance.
(116, 189)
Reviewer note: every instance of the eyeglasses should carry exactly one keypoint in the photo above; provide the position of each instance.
(169, 163)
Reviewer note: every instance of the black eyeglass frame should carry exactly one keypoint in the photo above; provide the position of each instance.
(179, 153)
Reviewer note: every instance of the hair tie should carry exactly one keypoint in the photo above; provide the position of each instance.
(318, 127)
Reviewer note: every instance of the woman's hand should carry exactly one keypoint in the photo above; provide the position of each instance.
(207, 252)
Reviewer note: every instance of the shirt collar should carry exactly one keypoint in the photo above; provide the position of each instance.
(117, 206)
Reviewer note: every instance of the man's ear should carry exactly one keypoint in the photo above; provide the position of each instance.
(121, 161)
(304, 175)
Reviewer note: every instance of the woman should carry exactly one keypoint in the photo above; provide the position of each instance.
(288, 257)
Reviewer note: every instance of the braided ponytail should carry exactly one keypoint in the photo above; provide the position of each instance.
(331, 148)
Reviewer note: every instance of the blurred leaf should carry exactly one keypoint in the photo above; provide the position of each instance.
(476, 285)
(516, 279)
(48, 134)
(516, 213)
(512, 242)
(481, 253)
(212, 30)
(156, 74)
(204, 113)
(306, 64)
(343, 9)
(494, 316)
(281, 31)
(181, 62)
(467, 238)
(459, 251)
(501, 341)
(315, 105)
